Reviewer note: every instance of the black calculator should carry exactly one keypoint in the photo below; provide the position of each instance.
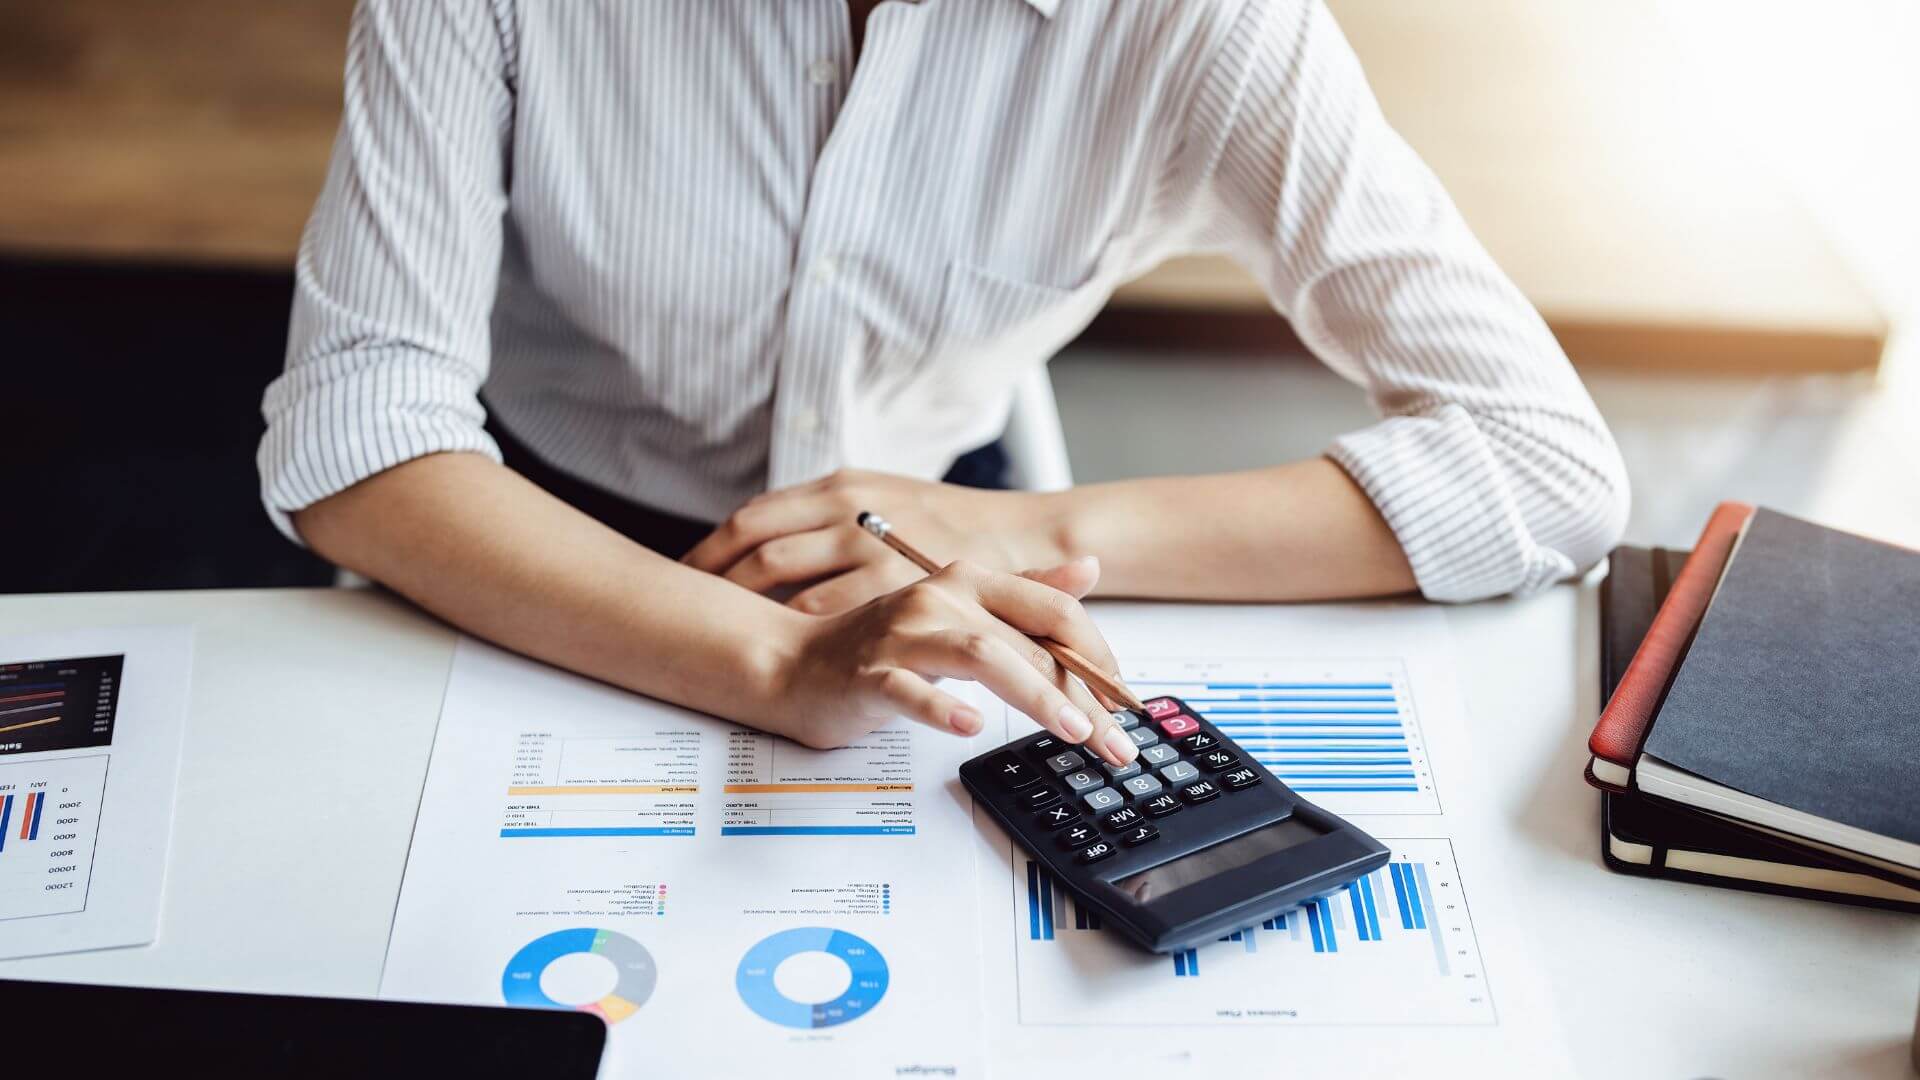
(1192, 840)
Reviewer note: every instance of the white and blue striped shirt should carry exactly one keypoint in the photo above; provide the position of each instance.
(693, 251)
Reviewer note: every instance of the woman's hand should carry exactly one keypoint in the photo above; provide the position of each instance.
(844, 675)
(803, 540)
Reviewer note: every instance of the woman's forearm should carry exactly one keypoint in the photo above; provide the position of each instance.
(493, 554)
(1301, 531)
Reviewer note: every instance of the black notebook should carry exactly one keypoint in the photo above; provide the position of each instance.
(1797, 706)
(1651, 837)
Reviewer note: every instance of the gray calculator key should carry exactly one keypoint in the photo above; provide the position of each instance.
(1179, 773)
(1121, 772)
(1142, 786)
(1126, 720)
(1103, 799)
(1156, 756)
(1065, 762)
(1144, 736)
(1084, 780)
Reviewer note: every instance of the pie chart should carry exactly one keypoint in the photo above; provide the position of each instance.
(632, 970)
(866, 984)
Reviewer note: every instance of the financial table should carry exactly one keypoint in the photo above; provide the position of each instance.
(313, 711)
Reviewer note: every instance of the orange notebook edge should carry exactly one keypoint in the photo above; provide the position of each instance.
(1622, 727)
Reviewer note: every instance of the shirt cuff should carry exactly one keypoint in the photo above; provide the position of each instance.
(1441, 490)
(341, 420)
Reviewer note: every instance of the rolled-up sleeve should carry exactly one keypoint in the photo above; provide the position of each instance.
(388, 343)
(1491, 464)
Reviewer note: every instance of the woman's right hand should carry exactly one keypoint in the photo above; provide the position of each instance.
(844, 675)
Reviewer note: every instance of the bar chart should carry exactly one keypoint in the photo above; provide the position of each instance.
(638, 784)
(775, 787)
(58, 704)
(1396, 946)
(49, 817)
(1344, 733)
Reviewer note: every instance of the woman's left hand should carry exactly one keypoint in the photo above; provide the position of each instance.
(805, 538)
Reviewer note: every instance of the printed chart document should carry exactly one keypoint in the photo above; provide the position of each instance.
(732, 904)
(1416, 969)
(736, 905)
(90, 730)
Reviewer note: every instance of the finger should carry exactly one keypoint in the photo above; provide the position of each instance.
(797, 558)
(982, 657)
(1114, 746)
(1033, 608)
(1076, 578)
(760, 521)
(914, 697)
(855, 587)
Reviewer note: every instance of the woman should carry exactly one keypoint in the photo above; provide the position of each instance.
(768, 265)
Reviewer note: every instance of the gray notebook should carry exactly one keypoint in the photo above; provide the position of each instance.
(1797, 706)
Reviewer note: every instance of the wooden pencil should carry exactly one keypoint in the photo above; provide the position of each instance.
(1102, 683)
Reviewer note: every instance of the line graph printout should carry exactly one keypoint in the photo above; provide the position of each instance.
(1344, 733)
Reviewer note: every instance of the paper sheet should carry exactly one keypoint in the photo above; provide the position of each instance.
(90, 733)
(733, 904)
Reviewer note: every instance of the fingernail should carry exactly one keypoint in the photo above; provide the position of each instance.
(1092, 561)
(965, 721)
(1121, 746)
(1074, 724)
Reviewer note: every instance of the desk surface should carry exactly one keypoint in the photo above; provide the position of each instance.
(313, 713)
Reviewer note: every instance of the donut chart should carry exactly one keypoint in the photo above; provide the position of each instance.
(754, 980)
(632, 964)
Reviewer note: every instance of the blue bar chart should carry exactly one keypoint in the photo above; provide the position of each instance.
(1394, 947)
(1343, 733)
(49, 817)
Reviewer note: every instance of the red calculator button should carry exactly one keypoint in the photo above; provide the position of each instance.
(1160, 707)
(1174, 727)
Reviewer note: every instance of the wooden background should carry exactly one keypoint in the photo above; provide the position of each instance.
(196, 131)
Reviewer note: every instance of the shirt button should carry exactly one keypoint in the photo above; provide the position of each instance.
(823, 269)
(804, 421)
(823, 73)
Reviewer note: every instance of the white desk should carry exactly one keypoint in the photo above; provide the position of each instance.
(313, 714)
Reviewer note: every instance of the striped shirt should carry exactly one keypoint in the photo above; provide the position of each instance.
(692, 251)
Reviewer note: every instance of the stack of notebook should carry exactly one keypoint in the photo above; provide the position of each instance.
(1762, 720)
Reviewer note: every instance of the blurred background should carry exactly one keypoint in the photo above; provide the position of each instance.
(1716, 205)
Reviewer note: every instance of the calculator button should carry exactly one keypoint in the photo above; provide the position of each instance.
(1156, 756)
(1161, 805)
(1036, 798)
(1216, 759)
(1078, 834)
(1121, 772)
(1127, 720)
(1179, 773)
(1197, 742)
(1045, 747)
(1084, 780)
(1095, 851)
(1065, 762)
(1174, 727)
(1057, 816)
(1144, 736)
(1124, 818)
(1241, 777)
(1161, 707)
(1198, 791)
(1103, 800)
(1142, 786)
(1140, 834)
(1013, 773)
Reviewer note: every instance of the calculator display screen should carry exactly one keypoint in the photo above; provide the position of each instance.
(1208, 862)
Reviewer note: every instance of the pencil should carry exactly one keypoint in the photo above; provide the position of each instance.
(1100, 681)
